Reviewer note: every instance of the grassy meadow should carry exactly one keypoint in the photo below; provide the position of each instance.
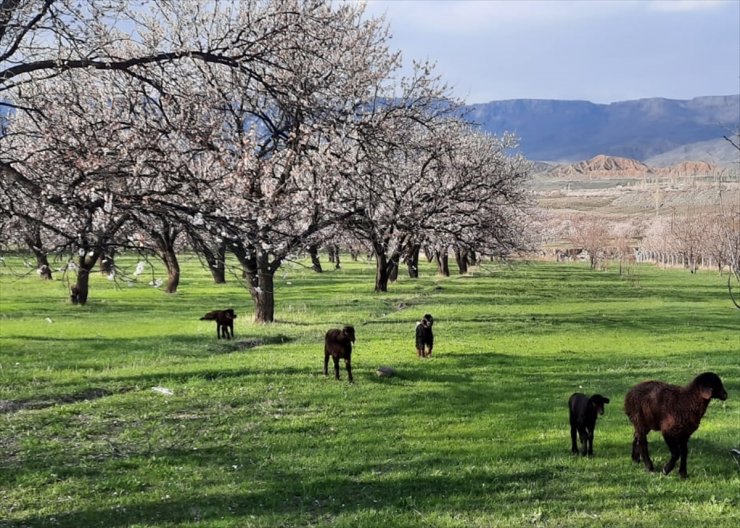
(253, 434)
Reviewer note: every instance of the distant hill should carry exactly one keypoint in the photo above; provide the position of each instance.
(567, 131)
(606, 167)
(714, 150)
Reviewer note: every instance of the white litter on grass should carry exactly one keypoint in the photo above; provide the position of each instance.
(163, 390)
(48, 320)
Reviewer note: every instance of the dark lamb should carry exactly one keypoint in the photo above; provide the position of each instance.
(424, 336)
(583, 412)
(224, 322)
(674, 411)
(338, 345)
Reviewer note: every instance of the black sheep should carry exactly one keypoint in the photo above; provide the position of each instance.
(583, 412)
(338, 345)
(674, 411)
(424, 336)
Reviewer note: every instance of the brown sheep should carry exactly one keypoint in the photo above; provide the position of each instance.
(674, 411)
(224, 322)
(338, 345)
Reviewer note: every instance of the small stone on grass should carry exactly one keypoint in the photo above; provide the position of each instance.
(385, 372)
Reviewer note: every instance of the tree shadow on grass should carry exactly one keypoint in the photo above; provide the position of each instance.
(146, 380)
(238, 344)
(181, 345)
(293, 494)
(603, 317)
(699, 448)
(43, 402)
(467, 365)
(184, 377)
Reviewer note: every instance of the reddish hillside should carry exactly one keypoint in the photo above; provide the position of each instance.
(603, 166)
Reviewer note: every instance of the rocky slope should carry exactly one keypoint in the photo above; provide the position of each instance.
(605, 167)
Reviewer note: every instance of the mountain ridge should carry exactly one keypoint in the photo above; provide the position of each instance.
(572, 130)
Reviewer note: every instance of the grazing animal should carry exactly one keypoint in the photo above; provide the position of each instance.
(338, 345)
(583, 412)
(674, 411)
(424, 336)
(224, 322)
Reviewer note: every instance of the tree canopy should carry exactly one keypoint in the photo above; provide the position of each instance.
(263, 126)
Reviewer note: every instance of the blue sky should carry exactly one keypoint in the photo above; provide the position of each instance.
(597, 50)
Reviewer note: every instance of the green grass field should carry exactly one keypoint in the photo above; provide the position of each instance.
(254, 435)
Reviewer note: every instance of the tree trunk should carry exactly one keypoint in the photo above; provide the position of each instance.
(313, 250)
(429, 253)
(461, 257)
(263, 295)
(44, 268)
(264, 300)
(216, 260)
(218, 265)
(334, 256)
(381, 272)
(443, 266)
(173, 270)
(33, 241)
(412, 261)
(213, 253)
(219, 275)
(165, 238)
(260, 276)
(393, 265)
(79, 292)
